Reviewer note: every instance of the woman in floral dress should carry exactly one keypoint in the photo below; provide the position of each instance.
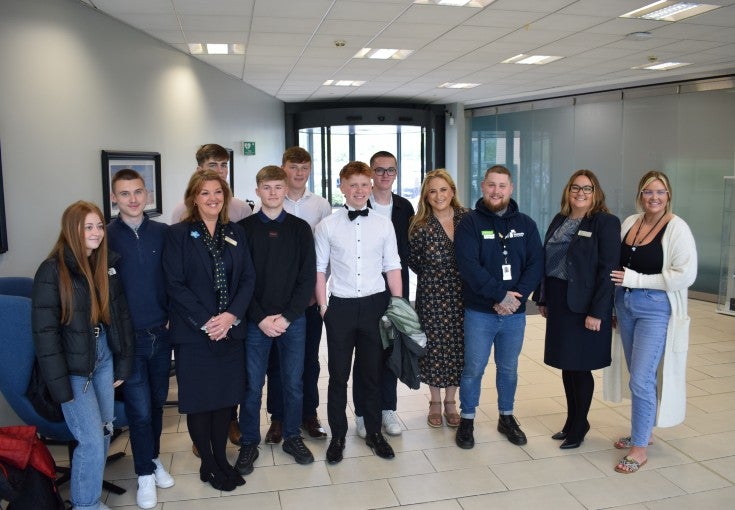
(439, 292)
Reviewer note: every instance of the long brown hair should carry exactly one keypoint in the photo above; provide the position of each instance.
(424, 211)
(93, 268)
(598, 196)
(196, 183)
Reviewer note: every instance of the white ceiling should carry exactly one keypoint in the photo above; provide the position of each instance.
(290, 45)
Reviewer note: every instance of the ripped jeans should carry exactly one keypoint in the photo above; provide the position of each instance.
(89, 418)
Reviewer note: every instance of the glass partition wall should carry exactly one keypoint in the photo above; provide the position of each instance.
(686, 130)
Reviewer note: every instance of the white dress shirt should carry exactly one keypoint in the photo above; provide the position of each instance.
(358, 252)
(310, 207)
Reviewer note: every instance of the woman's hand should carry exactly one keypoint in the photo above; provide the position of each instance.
(592, 323)
(617, 276)
(219, 325)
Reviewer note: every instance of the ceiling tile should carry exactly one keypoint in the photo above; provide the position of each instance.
(213, 7)
(490, 17)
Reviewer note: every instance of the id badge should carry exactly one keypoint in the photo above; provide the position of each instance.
(506, 272)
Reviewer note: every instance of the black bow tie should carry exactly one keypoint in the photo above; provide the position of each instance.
(354, 214)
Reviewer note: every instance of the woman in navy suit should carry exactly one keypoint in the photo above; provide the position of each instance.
(576, 296)
(210, 280)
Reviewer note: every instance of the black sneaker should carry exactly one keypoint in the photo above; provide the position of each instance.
(295, 447)
(334, 452)
(508, 425)
(465, 438)
(246, 459)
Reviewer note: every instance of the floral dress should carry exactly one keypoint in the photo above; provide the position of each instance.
(438, 302)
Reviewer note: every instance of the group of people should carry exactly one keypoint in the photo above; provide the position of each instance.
(241, 297)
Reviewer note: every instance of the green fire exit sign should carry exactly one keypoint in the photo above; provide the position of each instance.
(248, 148)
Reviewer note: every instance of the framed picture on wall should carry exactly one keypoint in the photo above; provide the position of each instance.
(147, 164)
(3, 223)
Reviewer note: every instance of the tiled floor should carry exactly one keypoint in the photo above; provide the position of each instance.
(690, 466)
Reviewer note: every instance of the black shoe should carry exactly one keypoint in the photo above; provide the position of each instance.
(508, 425)
(313, 428)
(236, 477)
(295, 447)
(218, 480)
(379, 445)
(559, 436)
(275, 433)
(570, 443)
(334, 451)
(465, 438)
(246, 458)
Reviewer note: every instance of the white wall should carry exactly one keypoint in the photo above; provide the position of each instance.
(73, 82)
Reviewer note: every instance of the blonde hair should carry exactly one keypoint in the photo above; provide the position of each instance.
(196, 183)
(92, 267)
(424, 209)
(648, 178)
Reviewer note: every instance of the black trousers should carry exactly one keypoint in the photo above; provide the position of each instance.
(352, 325)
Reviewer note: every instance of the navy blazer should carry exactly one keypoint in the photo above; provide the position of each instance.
(188, 269)
(590, 259)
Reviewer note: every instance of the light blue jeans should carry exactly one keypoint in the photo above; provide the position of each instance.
(89, 418)
(643, 319)
(481, 331)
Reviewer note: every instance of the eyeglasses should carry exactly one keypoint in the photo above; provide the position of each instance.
(584, 189)
(648, 193)
(390, 171)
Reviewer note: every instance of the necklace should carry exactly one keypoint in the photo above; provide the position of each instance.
(637, 242)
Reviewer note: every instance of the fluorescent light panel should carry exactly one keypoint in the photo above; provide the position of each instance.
(664, 10)
(478, 4)
(344, 83)
(216, 49)
(383, 53)
(530, 59)
(662, 66)
(449, 85)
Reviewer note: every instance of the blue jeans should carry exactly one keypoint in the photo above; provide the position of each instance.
(311, 370)
(643, 319)
(290, 346)
(89, 417)
(145, 393)
(481, 331)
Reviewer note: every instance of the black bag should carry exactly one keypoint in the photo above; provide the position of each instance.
(40, 396)
(28, 489)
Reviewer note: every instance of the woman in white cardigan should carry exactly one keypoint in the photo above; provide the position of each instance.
(659, 263)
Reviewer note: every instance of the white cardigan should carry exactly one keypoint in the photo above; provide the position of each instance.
(679, 272)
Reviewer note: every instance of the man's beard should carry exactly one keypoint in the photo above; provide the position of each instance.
(499, 207)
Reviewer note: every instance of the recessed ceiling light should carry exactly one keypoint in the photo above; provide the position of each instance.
(382, 53)
(344, 83)
(664, 10)
(662, 66)
(216, 49)
(457, 3)
(449, 85)
(530, 59)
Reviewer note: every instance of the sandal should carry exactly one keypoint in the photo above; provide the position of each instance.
(628, 465)
(434, 419)
(625, 443)
(452, 418)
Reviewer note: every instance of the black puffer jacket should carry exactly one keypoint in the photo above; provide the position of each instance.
(69, 349)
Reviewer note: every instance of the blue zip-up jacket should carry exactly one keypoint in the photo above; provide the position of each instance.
(478, 246)
(141, 270)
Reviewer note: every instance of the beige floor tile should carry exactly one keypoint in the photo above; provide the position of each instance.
(187, 487)
(714, 403)
(418, 439)
(709, 446)
(361, 469)
(622, 489)
(716, 384)
(538, 407)
(532, 473)
(724, 467)
(262, 501)
(446, 485)
(551, 497)
(717, 499)
(694, 478)
(447, 504)
(355, 496)
(660, 455)
(278, 478)
(482, 455)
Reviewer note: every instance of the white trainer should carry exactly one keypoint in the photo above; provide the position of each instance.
(391, 423)
(146, 497)
(360, 424)
(163, 479)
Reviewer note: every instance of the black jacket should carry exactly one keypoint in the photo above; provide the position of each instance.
(400, 216)
(70, 349)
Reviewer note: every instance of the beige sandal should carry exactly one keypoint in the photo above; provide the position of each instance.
(628, 465)
(434, 419)
(625, 443)
(452, 418)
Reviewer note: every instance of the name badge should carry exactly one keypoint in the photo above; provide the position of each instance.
(584, 233)
(488, 234)
(506, 272)
(230, 240)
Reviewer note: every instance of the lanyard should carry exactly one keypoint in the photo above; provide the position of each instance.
(502, 239)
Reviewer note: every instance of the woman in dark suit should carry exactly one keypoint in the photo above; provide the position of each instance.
(210, 280)
(581, 248)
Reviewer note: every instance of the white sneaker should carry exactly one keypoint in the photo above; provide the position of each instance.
(360, 423)
(391, 424)
(146, 497)
(163, 479)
